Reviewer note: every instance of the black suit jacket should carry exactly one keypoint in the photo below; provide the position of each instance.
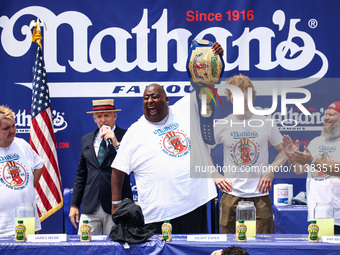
(93, 181)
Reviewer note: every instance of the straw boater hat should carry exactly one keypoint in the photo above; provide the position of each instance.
(104, 105)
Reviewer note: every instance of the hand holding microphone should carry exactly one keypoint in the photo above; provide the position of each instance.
(106, 128)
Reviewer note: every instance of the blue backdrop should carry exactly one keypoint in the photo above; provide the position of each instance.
(103, 49)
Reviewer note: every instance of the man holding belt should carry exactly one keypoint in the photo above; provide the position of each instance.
(159, 149)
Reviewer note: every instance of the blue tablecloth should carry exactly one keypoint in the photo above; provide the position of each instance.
(290, 219)
(263, 244)
(73, 246)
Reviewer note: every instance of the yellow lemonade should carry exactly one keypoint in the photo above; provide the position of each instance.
(251, 227)
(326, 227)
(29, 224)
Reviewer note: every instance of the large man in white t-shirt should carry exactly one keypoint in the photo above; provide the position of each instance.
(20, 171)
(321, 151)
(245, 149)
(157, 149)
(162, 149)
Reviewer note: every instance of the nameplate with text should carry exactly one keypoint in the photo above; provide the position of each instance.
(330, 239)
(47, 238)
(207, 238)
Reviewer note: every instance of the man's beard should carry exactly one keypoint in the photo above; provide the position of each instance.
(331, 132)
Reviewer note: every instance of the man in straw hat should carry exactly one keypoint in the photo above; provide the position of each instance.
(92, 184)
(20, 171)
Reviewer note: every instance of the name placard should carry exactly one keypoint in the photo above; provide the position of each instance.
(330, 239)
(207, 238)
(48, 238)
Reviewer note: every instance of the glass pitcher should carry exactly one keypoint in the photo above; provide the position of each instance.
(324, 216)
(25, 212)
(246, 211)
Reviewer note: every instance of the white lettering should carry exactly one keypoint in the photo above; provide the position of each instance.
(253, 123)
(295, 101)
(261, 112)
(300, 56)
(238, 100)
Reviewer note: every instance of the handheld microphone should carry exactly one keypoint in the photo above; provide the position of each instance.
(104, 128)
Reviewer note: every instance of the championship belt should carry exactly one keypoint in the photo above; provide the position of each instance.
(205, 69)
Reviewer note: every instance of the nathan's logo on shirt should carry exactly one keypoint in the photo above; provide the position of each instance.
(329, 149)
(175, 143)
(244, 134)
(161, 131)
(13, 156)
(319, 176)
(14, 175)
(245, 152)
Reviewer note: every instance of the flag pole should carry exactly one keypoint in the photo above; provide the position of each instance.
(49, 194)
(36, 35)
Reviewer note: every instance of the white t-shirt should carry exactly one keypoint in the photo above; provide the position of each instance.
(322, 187)
(159, 156)
(17, 163)
(245, 150)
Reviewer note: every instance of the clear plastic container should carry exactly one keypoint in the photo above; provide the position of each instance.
(25, 212)
(324, 216)
(246, 211)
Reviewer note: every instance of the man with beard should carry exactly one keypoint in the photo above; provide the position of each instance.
(326, 149)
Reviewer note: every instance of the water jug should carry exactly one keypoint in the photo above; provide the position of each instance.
(246, 211)
(25, 212)
(323, 214)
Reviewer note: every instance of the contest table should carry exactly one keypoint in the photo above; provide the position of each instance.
(290, 219)
(262, 244)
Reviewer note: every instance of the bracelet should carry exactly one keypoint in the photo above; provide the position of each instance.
(117, 147)
(116, 202)
(313, 161)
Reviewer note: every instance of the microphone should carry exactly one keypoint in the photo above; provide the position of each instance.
(104, 128)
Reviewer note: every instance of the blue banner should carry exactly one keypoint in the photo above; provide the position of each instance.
(109, 49)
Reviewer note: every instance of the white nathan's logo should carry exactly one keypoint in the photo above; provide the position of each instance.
(23, 121)
(87, 54)
(298, 121)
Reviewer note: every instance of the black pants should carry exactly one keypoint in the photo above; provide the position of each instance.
(336, 229)
(190, 223)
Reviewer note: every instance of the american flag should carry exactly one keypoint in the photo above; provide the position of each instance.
(48, 190)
